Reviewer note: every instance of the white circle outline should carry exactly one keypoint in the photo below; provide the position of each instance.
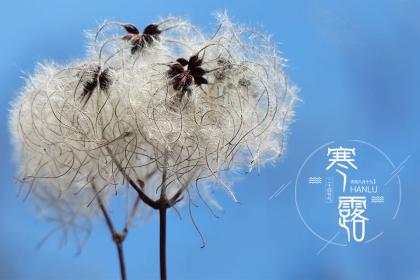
(303, 165)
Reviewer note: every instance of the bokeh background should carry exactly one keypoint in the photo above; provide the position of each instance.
(357, 64)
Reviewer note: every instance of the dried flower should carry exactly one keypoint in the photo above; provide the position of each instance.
(112, 119)
(183, 78)
(139, 41)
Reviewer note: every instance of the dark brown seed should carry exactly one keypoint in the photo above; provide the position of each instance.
(130, 28)
(152, 29)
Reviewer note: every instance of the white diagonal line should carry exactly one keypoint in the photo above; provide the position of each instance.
(279, 190)
(397, 170)
(327, 243)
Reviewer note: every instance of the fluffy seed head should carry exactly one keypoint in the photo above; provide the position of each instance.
(169, 102)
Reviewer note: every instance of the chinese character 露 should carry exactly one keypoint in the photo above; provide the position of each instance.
(351, 209)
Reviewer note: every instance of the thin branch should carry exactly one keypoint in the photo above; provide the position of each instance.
(137, 202)
(146, 199)
(163, 198)
(103, 209)
(163, 206)
(122, 263)
(132, 214)
(117, 237)
(176, 198)
(162, 242)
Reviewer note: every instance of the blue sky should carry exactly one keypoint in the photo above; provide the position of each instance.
(357, 65)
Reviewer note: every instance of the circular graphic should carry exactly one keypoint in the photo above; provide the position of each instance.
(347, 192)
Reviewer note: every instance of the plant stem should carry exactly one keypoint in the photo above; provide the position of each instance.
(118, 238)
(137, 188)
(121, 259)
(162, 222)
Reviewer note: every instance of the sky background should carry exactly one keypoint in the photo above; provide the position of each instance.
(357, 64)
